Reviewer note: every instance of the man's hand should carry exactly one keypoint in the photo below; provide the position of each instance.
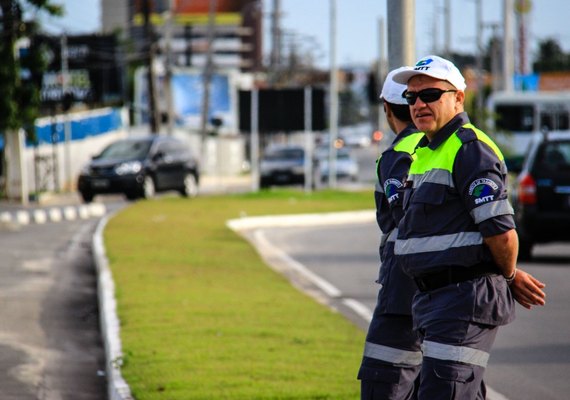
(527, 290)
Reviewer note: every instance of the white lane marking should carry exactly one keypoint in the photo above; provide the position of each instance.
(359, 308)
(329, 289)
(312, 219)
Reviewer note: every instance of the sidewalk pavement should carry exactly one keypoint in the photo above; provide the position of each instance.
(57, 207)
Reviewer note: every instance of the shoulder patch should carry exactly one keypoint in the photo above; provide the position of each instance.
(483, 190)
(391, 187)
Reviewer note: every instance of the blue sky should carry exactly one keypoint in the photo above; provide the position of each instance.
(357, 24)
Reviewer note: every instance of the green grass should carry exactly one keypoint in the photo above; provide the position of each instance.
(202, 317)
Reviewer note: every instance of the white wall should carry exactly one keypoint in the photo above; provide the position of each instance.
(70, 156)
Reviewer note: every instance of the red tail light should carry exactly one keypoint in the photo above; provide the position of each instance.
(527, 190)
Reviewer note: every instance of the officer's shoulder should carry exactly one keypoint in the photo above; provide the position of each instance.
(466, 135)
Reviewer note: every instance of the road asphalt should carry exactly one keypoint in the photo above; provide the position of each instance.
(67, 206)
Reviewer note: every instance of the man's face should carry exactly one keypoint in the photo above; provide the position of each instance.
(431, 117)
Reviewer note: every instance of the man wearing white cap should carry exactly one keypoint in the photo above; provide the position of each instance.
(392, 352)
(457, 237)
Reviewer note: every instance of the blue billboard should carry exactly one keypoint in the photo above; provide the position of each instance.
(187, 97)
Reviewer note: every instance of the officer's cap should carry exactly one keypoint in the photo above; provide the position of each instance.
(393, 92)
(436, 67)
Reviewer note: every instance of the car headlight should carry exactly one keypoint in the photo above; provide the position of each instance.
(86, 170)
(126, 168)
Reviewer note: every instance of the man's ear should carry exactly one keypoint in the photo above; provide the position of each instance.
(460, 96)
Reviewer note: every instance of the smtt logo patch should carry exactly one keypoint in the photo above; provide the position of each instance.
(391, 187)
(423, 63)
(483, 190)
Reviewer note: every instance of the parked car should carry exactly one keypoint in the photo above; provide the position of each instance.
(542, 195)
(139, 167)
(346, 165)
(284, 165)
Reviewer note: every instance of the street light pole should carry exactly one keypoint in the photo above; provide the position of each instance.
(208, 70)
(401, 33)
(150, 50)
(168, 69)
(480, 82)
(508, 46)
(333, 89)
(66, 122)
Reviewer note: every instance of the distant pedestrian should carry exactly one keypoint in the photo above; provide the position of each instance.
(457, 237)
(392, 352)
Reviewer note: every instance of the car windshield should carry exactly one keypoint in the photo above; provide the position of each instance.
(284, 154)
(556, 155)
(128, 149)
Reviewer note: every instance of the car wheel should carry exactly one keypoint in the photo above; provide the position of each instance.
(148, 191)
(87, 197)
(190, 187)
(132, 196)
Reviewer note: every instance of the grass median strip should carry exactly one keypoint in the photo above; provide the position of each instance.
(202, 317)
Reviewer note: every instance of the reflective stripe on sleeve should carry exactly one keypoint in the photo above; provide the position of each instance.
(490, 210)
(389, 237)
(437, 243)
(462, 354)
(392, 355)
(439, 176)
(392, 235)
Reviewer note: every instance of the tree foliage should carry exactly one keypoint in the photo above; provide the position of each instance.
(19, 88)
(551, 57)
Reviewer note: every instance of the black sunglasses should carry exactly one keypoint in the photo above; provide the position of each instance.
(427, 95)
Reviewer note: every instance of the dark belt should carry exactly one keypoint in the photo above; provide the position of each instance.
(451, 275)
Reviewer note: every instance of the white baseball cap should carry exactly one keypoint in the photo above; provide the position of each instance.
(436, 67)
(391, 91)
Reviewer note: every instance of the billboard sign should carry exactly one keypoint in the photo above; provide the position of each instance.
(93, 71)
(188, 95)
(228, 12)
(282, 110)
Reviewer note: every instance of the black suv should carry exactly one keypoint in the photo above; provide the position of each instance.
(542, 195)
(139, 167)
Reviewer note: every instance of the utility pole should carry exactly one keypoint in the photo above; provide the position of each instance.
(401, 33)
(188, 39)
(447, 38)
(275, 56)
(66, 123)
(208, 71)
(508, 46)
(381, 74)
(168, 69)
(149, 51)
(333, 90)
(495, 57)
(480, 83)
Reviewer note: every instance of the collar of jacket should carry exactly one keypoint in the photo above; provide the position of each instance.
(407, 131)
(449, 129)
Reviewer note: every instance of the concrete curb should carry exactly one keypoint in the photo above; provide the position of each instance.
(333, 218)
(117, 387)
(18, 218)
